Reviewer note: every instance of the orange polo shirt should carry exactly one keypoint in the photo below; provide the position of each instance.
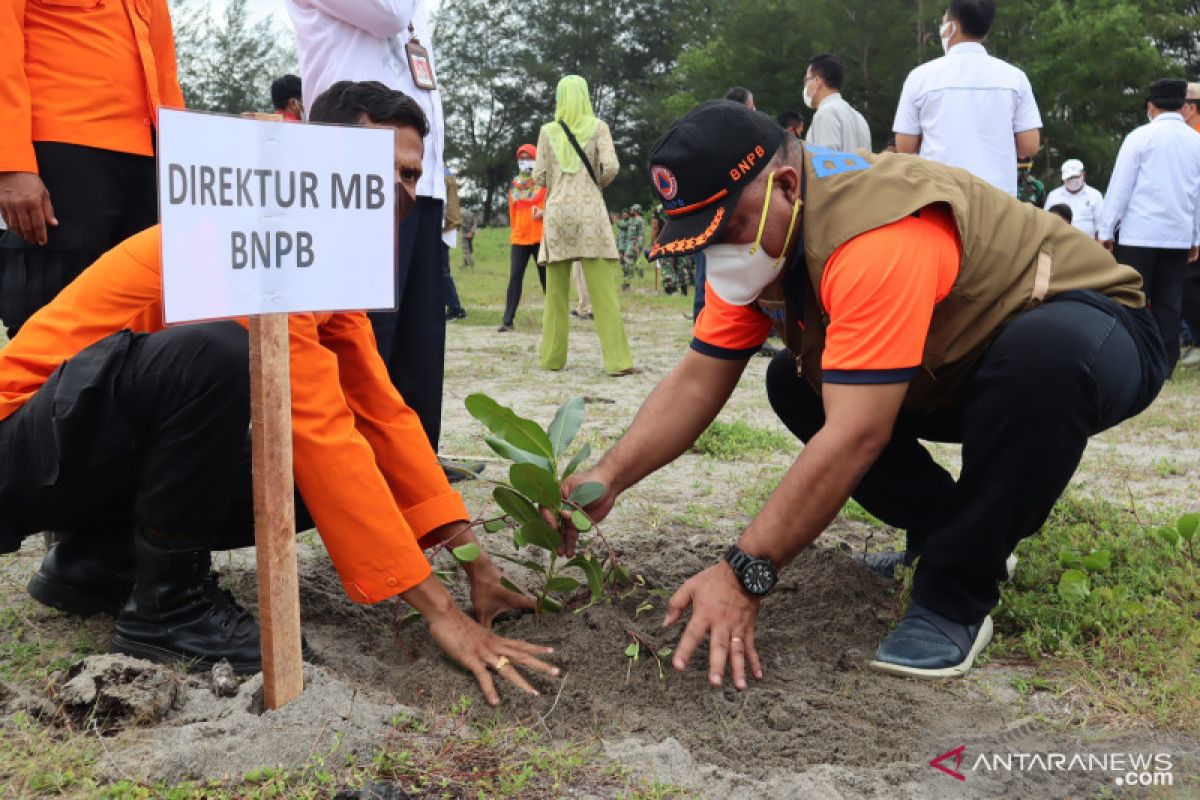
(88, 72)
(526, 229)
(879, 290)
(363, 463)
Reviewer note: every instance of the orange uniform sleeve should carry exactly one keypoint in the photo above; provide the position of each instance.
(727, 331)
(16, 115)
(879, 290)
(372, 546)
(162, 43)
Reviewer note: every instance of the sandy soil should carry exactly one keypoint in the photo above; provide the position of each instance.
(819, 725)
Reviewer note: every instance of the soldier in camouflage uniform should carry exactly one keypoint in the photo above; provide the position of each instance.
(622, 240)
(635, 240)
(1029, 188)
(677, 271)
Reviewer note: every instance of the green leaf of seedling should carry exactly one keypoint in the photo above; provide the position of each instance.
(584, 453)
(1073, 586)
(495, 525)
(1187, 526)
(548, 603)
(594, 572)
(444, 576)
(641, 608)
(565, 425)
(537, 485)
(1169, 536)
(633, 650)
(665, 652)
(466, 553)
(506, 450)
(523, 434)
(1097, 561)
(515, 505)
(539, 533)
(562, 583)
(587, 493)
(532, 566)
(1068, 558)
(580, 521)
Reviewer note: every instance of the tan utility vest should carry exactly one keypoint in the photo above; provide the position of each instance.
(1014, 257)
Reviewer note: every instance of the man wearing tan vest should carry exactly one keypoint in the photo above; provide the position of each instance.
(916, 302)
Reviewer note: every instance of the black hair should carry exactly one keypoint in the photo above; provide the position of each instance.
(829, 68)
(347, 102)
(975, 17)
(283, 89)
(787, 119)
(1063, 210)
(1169, 104)
(738, 94)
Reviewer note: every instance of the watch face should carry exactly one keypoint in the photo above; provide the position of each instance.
(758, 578)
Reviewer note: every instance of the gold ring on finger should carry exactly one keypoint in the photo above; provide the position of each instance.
(501, 663)
(737, 639)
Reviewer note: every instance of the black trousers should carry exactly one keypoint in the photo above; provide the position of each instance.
(1191, 298)
(412, 339)
(518, 261)
(1163, 273)
(100, 198)
(453, 304)
(144, 430)
(1023, 419)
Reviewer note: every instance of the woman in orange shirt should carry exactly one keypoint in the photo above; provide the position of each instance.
(526, 203)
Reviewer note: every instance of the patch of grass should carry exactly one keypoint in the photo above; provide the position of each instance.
(1122, 625)
(36, 761)
(757, 491)
(734, 441)
(852, 510)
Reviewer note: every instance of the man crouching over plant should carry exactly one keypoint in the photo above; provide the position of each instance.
(131, 441)
(916, 302)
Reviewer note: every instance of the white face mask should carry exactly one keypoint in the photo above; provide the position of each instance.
(808, 99)
(525, 165)
(947, 33)
(1073, 184)
(738, 273)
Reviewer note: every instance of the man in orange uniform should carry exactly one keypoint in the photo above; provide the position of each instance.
(109, 422)
(81, 82)
(916, 302)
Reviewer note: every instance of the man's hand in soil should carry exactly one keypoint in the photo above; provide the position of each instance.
(472, 646)
(488, 596)
(25, 205)
(726, 614)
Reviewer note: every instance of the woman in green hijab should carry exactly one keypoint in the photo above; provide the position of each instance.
(577, 226)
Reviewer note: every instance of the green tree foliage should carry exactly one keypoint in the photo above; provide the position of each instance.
(227, 62)
(1089, 61)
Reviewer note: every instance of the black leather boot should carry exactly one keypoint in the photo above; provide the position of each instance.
(178, 613)
(86, 574)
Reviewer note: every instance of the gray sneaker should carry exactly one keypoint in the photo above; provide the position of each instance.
(927, 645)
(885, 564)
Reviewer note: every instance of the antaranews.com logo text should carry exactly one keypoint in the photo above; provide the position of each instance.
(1124, 769)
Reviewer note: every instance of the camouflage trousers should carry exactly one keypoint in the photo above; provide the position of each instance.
(677, 273)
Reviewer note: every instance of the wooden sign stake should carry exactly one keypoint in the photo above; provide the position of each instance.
(274, 510)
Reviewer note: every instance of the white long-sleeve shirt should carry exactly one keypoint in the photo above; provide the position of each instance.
(839, 126)
(363, 40)
(1154, 193)
(1085, 206)
(967, 107)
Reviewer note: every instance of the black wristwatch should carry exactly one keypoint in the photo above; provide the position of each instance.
(757, 575)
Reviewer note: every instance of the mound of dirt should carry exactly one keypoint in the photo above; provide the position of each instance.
(116, 690)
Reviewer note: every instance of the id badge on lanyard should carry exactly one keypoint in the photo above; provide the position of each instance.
(419, 65)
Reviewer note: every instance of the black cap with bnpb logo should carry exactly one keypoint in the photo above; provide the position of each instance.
(699, 167)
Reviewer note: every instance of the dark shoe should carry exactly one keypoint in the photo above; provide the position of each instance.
(86, 574)
(574, 313)
(626, 371)
(927, 645)
(505, 328)
(884, 564)
(459, 470)
(588, 315)
(457, 314)
(178, 613)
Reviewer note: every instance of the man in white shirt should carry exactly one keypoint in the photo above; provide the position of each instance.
(1085, 201)
(1154, 200)
(388, 41)
(969, 109)
(836, 124)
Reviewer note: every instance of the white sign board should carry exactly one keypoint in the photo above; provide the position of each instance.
(260, 217)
